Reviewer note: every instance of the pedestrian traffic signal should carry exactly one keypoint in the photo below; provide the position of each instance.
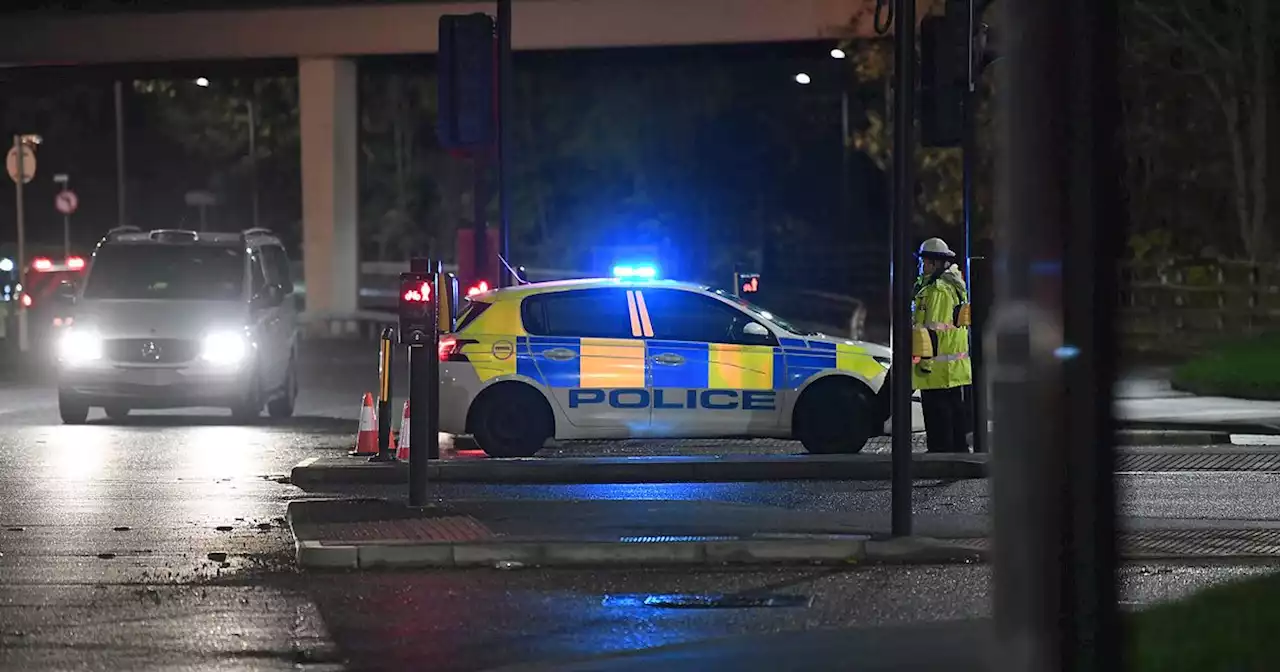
(465, 69)
(417, 307)
(745, 283)
(944, 75)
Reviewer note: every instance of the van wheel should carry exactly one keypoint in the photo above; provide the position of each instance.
(249, 409)
(512, 420)
(282, 407)
(835, 416)
(72, 409)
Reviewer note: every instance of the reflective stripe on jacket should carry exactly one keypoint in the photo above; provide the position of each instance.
(937, 299)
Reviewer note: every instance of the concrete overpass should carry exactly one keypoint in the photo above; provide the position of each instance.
(323, 39)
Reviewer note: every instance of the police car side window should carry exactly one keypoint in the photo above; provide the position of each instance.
(583, 313)
(685, 316)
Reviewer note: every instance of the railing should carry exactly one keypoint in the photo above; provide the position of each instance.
(1182, 306)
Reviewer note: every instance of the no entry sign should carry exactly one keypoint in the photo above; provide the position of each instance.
(66, 202)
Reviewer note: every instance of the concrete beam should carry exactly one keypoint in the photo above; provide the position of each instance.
(371, 29)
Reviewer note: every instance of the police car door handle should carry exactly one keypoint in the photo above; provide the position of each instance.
(559, 354)
(669, 359)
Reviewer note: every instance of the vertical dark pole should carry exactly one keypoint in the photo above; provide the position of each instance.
(506, 89)
(968, 158)
(253, 155)
(120, 175)
(845, 207)
(480, 212)
(1095, 238)
(419, 373)
(1060, 220)
(433, 371)
(386, 347)
(903, 263)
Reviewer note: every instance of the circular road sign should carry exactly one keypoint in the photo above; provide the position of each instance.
(28, 163)
(66, 202)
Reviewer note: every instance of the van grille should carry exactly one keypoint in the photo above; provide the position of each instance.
(151, 350)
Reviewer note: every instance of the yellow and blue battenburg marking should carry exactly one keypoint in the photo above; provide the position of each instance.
(563, 362)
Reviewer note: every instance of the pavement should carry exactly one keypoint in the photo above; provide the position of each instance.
(1145, 398)
(163, 543)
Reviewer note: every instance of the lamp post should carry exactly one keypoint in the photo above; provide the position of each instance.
(251, 115)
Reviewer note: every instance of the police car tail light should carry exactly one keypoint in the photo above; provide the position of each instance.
(448, 347)
(75, 263)
(41, 264)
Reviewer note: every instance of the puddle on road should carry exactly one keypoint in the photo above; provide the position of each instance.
(708, 601)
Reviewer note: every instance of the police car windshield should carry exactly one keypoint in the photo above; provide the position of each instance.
(167, 272)
(764, 314)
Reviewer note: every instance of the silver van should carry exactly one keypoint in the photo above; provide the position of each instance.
(175, 319)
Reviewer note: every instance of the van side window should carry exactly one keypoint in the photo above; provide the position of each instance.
(276, 265)
(257, 279)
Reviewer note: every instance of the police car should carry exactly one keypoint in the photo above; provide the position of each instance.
(623, 358)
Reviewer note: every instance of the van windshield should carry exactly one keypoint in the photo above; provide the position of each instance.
(167, 272)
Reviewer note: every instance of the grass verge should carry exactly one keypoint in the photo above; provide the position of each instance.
(1227, 627)
(1245, 369)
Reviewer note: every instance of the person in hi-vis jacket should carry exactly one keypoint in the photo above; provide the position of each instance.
(941, 369)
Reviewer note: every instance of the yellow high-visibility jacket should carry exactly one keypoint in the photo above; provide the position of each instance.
(939, 297)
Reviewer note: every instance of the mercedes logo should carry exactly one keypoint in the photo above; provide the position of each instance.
(151, 351)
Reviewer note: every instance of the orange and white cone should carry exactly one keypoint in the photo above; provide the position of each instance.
(402, 447)
(367, 436)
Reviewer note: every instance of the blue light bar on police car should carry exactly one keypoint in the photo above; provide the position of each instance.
(628, 271)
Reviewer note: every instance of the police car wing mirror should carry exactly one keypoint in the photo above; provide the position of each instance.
(755, 329)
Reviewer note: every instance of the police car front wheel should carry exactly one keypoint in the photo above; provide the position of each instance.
(835, 416)
(511, 420)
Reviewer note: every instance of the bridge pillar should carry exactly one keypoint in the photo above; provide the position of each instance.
(330, 253)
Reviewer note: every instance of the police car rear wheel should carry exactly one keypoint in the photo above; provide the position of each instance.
(116, 412)
(512, 421)
(835, 417)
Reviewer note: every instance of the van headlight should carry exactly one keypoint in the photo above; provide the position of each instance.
(226, 348)
(79, 346)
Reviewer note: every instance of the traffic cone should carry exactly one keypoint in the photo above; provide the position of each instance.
(402, 447)
(367, 436)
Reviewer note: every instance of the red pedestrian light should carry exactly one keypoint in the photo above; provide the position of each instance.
(418, 294)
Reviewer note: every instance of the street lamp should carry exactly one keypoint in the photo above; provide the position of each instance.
(803, 78)
(202, 81)
(838, 53)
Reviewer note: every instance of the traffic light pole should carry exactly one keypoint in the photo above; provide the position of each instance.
(968, 159)
(506, 88)
(424, 386)
(1053, 338)
(903, 261)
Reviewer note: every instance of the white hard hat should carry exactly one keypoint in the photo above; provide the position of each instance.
(935, 247)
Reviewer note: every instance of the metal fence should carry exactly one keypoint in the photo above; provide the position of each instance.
(1182, 306)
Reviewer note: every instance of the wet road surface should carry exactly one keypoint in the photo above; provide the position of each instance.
(158, 544)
